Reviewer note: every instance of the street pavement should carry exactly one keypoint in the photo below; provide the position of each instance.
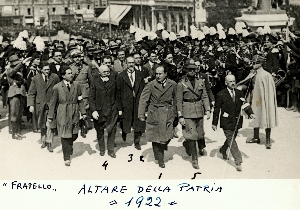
(24, 159)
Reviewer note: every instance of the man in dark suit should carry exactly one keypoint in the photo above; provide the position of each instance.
(139, 67)
(102, 100)
(38, 99)
(229, 102)
(55, 66)
(151, 65)
(130, 84)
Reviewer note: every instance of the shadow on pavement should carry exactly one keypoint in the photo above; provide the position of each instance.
(79, 148)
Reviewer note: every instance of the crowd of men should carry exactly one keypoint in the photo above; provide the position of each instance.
(150, 84)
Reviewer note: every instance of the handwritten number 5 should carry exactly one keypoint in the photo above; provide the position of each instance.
(149, 199)
(139, 201)
(159, 201)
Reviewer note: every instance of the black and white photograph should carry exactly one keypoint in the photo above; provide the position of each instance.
(180, 94)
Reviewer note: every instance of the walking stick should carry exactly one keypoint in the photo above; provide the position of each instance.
(238, 120)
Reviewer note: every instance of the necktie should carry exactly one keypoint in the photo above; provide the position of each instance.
(233, 95)
(131, 76)
(68, 86)
(57, 67)
(46, 79)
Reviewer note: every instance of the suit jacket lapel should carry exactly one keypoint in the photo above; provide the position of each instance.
(158, 86)
(138, 79)
(42, 81)
(50, 80)
(126, 78)
(65, 89)
(72, 89)
(167, 86)
(229, 96)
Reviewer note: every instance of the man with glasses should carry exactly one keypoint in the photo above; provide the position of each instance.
(82, 74)
(192, 103)
(130, 84)
(38, 99)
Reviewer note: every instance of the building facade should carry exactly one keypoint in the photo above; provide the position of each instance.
(175, 15)
(39, 12)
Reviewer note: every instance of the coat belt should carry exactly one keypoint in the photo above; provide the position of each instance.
(191, 100)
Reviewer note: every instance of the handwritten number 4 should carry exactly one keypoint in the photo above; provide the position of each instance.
(105, 164)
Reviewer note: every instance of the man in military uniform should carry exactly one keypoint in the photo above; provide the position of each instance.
(16, 94)
(82, 74)
(191, 99)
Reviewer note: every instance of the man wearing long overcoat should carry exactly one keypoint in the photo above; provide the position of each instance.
(264, 103)
(103, 105)
(130, 84)
(66, 103)
(160, 97)
(38, 99)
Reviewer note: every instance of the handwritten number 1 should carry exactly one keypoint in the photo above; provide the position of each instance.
(157, 204)
(139, 201)
(149, 199)
(129, 202)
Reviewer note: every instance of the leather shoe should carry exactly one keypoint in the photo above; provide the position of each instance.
(202, 152)
(112, 154)
(50, 149)
(102, 153)
(16, 137)
(268, 146)
(83, 134)
(187, 149)
(253, 140)
(225, 156)
(195, 164)
(137, 146)
(20, 135)
(67, 163)
(44, 144)
(162, 165)
(239, 167)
